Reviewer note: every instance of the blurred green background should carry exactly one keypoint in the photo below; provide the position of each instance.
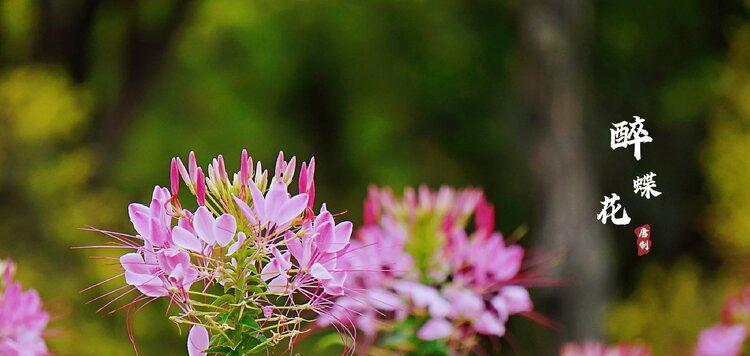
(514, 97)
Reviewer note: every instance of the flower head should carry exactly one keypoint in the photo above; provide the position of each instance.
(22, 319)
(251, 263)
(420, 259)
(600, 349)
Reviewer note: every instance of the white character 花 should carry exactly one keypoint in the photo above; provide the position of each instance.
(610, 208)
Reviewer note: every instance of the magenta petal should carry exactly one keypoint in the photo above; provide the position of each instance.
(134, 263)
(318, 271)
(435, 329)
(197, 341)
(203, 223)
(140, 217)
(224, 229)
(294, 245)
(341, 235)
(517, 299)
(335, 286)
(245, 209)
(270, 270)
(259, 203)
(384, 300)
(721, 340)
(153, 288)
(186, 239)
(135, 279)
(183, 275)
(278, 284)
(284, 259)
(236, 246)
(488, 324)
(324, 236)
(291, 209)
(275, 198)
(508, 263)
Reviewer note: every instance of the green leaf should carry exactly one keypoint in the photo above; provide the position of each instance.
(250, 322)
(330, 340)
(219, 350)
(226, 298)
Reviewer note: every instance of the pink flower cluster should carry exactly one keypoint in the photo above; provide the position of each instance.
(249, 235)
(599, 349)
(22, 319)
(419, 256)
(727, 337)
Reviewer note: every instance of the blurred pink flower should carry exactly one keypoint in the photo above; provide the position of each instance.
(471, 284)
(737, 308)
(600, 349)
(22, 320)
(721, 340)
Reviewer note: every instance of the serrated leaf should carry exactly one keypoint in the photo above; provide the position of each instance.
(250, 322)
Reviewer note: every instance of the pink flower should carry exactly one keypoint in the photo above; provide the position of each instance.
(152, 223)
(490, 261)
(721, 340)
(297, 252)
(22, 320)
(599, 349)
(467, 280)
(206, 231)
(276, 271)
(317, 254)
(277, 208)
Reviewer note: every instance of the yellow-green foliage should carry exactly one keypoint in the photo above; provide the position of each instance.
(727, 157)
(39, 104)
(42, 113)
(668, 309)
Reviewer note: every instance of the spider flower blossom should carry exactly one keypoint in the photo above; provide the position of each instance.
(245, 268)
(420, 261)
(22, 320)
(727, 337)
(599, 349)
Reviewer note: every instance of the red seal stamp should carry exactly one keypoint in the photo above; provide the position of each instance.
(643, 239)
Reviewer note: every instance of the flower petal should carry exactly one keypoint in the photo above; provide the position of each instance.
(259, 203)
(488, 324)
(224, 229)
(291, 209)
(275, 198)
(236, 246)
(278, 284)
(245, 209)
(134, 263)
(318, 271)
(341, 235)
(197, 341)
(140, 217)
(186, 239)
(435, 329)
(203, 223)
